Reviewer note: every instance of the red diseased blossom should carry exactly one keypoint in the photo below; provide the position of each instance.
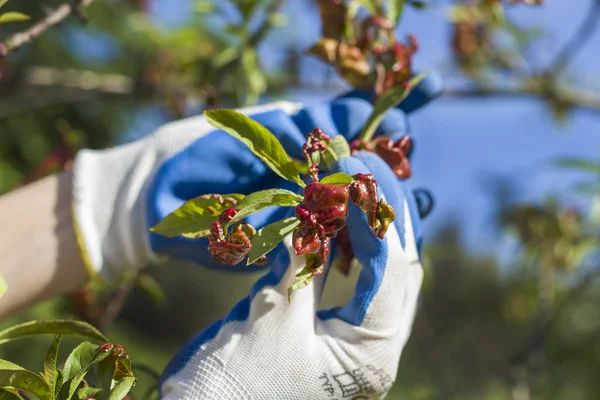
(306, 241)
(395, 154)
(322, 214)
(233, 247)
(363, 192)
(398, 62)
(327, 204)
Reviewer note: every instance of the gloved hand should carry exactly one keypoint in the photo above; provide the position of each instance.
(267, 348)
(118, 194)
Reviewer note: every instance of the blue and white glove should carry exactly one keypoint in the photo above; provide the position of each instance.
(119, 193)
(267, 348)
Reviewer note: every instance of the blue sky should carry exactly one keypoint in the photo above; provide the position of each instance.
(462, 144)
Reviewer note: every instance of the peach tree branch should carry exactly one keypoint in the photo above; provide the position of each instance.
(55, 17)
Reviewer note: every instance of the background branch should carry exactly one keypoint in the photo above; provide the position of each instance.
(54, 17)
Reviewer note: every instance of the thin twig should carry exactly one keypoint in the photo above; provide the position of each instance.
(578, 40)
(55, 17)
(574, 98)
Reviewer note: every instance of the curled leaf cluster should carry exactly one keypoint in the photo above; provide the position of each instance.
(395, 154)
(364, 52)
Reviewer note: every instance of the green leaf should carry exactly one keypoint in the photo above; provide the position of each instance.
(55, 327)
(13, 376)
(152, 288)
(78, 359)
(578, 163)
(78, 363)
(337, 179)
(302, 279)
(50, 374)
(121, 389)
(339, 145)
(3, 286)
(195, 216)
(258, 139)
(394, 11)
(3, 3)
(266, 198)
(13, 16)
(257, 83)
(270, 236)
(337, 148)
(388, 100)
(87, 392)
(7, 393)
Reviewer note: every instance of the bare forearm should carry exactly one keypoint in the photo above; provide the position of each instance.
(39, 257)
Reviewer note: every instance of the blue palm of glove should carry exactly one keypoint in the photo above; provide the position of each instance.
(218, 163)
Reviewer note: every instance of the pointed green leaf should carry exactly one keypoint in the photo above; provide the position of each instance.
(266, 198)
(337, 148)
(55, 327)
(394, 11)
(387, 101)
(8, 393)
(50, 374)
(578, 163)
(337, 179)
(13, 376)
(121, 389)
(13, 16)
(339, 145)
(270, 236)
(3, 2)
(258, 139)
(77, 366)
(87, 392)
(3, 286)
(302, 279)
(195, 216)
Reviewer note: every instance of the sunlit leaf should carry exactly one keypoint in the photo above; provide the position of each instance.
(394, 10)
(267, 238)
(302, 279)
(258, 139)
(265, 198)
(13, 16)
(337, 179)
(55, 327)
(195, 216)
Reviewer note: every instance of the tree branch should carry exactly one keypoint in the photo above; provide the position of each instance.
(574, 98)
(55, 17)
(578, 40)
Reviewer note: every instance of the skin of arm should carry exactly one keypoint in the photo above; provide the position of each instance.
(39, 255)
